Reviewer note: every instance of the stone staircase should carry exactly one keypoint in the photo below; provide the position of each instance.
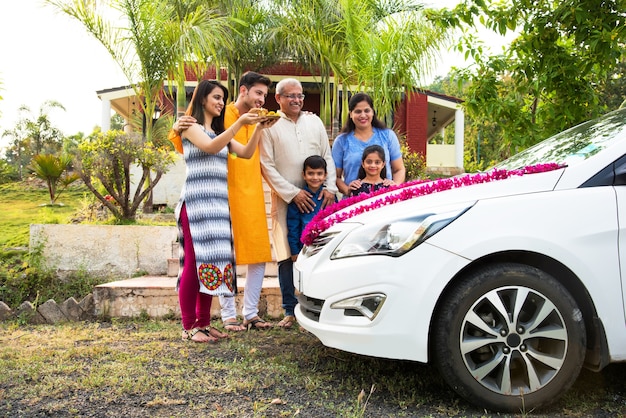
(156, 295)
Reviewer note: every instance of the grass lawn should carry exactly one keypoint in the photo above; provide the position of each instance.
(141, 368)
(23, 204)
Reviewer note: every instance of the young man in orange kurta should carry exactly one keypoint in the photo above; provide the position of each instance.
(247, 206)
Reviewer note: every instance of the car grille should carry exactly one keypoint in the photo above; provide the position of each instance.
(319, 243)
(310, 307)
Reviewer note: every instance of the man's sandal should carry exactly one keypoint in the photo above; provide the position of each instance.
(256, 324)
(287, 322)
(189, 334)
(233, 325)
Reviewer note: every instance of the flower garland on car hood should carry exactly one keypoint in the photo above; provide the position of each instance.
(332, 214)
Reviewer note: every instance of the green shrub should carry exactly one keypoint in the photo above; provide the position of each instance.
(104, 161)
(414, 162)
(22, 278)
(8, 173)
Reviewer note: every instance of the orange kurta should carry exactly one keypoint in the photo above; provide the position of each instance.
(247, 201)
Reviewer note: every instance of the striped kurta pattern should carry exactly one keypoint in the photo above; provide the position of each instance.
(205, 195)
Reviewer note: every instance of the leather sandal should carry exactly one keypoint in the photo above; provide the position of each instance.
(188, 336)
(256, 323)
(214, 332)
(233, 325)
(287, 322)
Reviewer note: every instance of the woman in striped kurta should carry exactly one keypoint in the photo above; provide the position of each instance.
(206, 251)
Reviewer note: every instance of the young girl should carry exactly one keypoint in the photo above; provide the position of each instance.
(372, 174)
(203, 216)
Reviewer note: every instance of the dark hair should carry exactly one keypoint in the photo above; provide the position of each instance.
(355, 100)
(195, 109)
(370, 150)
(314, 161)
(251, 78)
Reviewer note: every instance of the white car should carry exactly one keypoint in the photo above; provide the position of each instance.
(508, 281)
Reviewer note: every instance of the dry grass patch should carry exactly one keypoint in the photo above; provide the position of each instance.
(142, 368)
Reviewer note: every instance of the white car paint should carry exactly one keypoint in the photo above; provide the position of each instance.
(546, 213)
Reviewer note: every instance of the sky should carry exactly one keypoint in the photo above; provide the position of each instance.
(47, 55)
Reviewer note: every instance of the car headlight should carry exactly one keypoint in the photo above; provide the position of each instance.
(396, 237)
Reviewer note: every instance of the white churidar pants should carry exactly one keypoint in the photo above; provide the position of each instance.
(251, 295)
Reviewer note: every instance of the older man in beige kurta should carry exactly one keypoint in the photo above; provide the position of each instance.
(284, 147)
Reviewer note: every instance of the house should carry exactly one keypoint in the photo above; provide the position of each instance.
(421, 117)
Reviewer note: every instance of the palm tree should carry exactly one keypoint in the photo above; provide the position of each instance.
(155, 43)
(51, 169)
(309, 32)
(193, 33)
(254, 49)
(393, 47)
(138, 48)
(380, 46)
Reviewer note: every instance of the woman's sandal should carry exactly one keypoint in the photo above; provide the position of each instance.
(214, 333)
(233, 325)
(189, 334)
(287, 322)
(256, 323)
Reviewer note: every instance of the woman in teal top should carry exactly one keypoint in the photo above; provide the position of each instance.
(362, 130)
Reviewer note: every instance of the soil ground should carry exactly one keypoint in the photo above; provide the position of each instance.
(143, 369)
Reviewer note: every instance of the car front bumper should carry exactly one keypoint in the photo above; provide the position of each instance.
(411, 285)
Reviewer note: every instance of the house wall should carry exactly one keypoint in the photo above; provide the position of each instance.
(411, 120)
(167, 190)
(440, 155)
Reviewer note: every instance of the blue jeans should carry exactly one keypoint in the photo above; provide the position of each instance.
(287, 289)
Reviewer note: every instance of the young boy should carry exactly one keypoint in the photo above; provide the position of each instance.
(314, 173)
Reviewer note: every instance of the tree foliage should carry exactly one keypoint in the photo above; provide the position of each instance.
(32, 135)
(382, 47)
(105, 160)
(550, 78)
(192, 32)
(8, 173)
(565, 66)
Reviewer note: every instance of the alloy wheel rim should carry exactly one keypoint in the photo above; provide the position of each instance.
(513, 340)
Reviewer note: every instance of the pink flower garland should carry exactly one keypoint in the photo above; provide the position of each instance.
(329, 216)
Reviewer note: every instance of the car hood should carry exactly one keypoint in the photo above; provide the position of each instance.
(515, 185)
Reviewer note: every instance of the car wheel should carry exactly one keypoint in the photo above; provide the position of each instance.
(509, 338)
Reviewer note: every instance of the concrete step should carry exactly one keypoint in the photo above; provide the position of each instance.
(157, 297)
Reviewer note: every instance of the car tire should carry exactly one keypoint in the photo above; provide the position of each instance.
(509, 338)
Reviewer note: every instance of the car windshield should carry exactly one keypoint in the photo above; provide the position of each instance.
(573, 145)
